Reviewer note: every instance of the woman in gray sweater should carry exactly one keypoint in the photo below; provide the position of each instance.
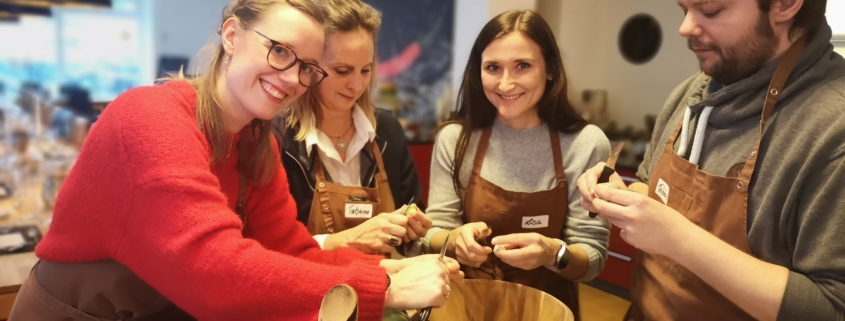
(504, 168)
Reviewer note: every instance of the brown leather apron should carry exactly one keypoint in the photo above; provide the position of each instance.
(661, 289)
(335, 207)
(93, 291)
(506, 212)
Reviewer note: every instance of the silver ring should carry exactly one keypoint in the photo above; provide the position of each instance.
(393, 240)
(448, 293)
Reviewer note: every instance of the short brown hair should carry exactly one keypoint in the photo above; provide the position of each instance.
(807, 18)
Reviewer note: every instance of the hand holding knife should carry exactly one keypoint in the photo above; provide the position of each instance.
(609, 168)
(427, 311)
(408, 207)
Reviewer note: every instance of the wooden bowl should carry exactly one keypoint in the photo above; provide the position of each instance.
(490, 300)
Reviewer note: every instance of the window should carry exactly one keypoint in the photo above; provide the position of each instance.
(101, 52)
(104, 50)
(33, 57)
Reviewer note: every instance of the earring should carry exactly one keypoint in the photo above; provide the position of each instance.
(550, 77)
(226, 62)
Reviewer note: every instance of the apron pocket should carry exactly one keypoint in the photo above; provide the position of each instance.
(679, 201)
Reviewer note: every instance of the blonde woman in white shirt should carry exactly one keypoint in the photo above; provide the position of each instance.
(348, 163)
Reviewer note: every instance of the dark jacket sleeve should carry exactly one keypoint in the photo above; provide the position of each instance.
(398, 161)
(298, 171)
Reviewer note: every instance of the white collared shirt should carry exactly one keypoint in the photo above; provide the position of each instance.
(344, 173)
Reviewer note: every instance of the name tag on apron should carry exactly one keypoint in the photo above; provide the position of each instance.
(535, 221)
(662, 190)
(359, 210)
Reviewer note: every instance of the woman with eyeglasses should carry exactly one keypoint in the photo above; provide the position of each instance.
(178, 207)
(348, 163)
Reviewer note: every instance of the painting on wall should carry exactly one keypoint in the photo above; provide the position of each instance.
(414, 71)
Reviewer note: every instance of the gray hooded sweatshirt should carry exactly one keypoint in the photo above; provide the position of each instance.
(796, 205)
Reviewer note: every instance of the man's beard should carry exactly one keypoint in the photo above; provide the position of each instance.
(746, 57)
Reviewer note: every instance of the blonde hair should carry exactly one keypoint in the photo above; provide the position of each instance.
(341, 16)
(260, 164)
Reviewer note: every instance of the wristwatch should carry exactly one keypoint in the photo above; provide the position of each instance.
(562, 258)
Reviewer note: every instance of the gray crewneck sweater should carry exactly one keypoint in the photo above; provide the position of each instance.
(797, 193)
(522, 161)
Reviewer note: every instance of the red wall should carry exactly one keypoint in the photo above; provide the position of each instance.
(422, 160)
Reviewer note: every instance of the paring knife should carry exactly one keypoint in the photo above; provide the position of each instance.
(427, 311)
(609, 167)
(411, 202)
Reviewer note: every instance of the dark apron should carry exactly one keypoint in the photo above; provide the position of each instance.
(504, 212)
(661, 289)
(93, 291)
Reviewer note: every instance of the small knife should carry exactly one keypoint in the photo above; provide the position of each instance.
(443, 250)
(411, 202)
(609, 168)
(427, 311)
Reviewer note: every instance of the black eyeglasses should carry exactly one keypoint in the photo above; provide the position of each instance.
(282, 57)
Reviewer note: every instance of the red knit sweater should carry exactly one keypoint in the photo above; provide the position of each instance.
(143, 193)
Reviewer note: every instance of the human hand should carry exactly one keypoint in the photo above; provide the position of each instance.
(376, 235)
(526, 251)
(394, 266)
(588, 181)
(421, 284)
(646, 224)
(418, 222)
(467, 249)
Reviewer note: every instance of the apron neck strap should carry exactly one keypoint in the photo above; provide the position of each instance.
(481, 150)
(671, 141)
(779, 79)
(784, 69)
(318, 167)
(379, 159)
(554, 137)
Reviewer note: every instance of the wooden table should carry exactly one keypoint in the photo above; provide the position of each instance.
(489, 300)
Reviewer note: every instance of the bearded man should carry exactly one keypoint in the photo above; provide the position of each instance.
(742, 201)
